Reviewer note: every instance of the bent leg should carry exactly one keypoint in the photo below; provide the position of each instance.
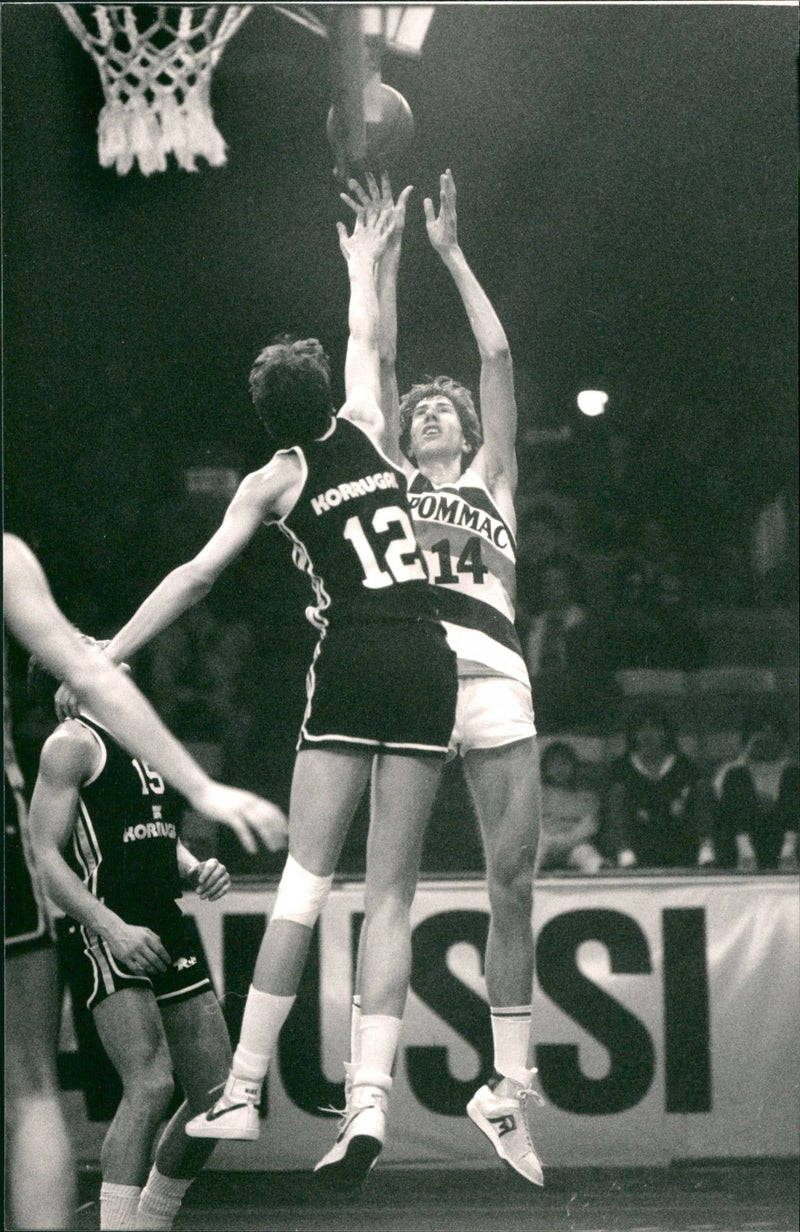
(201, 1055)
(40, 1168)
(505, 787)
(130, 1030)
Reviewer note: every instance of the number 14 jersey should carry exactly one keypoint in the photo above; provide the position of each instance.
(352, 534)
(471, 555)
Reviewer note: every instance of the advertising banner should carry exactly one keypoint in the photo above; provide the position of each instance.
(665, 1023)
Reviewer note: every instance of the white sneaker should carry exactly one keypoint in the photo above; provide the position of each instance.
(499, 1109)
(234, 1115)
(362, 1129)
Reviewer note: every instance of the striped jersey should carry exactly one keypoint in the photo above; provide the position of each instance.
(351, 533)
(471, 555)
(124, 844)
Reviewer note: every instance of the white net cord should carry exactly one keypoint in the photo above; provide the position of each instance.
(156, 80)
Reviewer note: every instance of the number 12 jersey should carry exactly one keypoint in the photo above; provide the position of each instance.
(351, 533)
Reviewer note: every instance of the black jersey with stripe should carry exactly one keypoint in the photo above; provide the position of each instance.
(352, 533)
(124, 844)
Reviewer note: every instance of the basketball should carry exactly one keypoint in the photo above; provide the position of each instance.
(388, 137)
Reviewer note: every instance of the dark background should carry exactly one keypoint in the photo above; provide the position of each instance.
(627, 182)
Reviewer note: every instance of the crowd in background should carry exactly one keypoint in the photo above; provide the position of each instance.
(612, 582)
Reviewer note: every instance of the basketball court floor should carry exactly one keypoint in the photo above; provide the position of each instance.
(743, 1197)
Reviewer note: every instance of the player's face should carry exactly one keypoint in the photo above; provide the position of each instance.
(436, 432)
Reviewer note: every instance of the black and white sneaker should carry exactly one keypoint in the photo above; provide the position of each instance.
(362, 1129)
(233, 1116)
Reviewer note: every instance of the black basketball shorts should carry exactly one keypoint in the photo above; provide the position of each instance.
(27, 924)
(93, 973)
(388, 685)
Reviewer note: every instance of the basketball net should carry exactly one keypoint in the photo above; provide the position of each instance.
(156, 80)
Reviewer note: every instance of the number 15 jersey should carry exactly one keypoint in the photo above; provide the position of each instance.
(351, 532)
(471, 555)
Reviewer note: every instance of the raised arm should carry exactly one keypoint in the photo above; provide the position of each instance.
(68, 758)
(497, 458)
(387, 270)
(36, 621)
(361, 250)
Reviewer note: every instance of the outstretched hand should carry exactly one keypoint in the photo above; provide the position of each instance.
(380, 198)
(249, 816)
(373, 226)
(443, 229)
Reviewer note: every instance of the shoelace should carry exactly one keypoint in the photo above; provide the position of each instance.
(534, 1094)
(341, 1113)
(524, 1094)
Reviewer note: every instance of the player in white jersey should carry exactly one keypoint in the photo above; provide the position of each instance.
(462, 475)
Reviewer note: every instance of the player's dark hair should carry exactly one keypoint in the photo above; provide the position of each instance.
(290, 383)
(461, 398)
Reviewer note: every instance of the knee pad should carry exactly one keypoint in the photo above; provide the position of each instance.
(301, 895)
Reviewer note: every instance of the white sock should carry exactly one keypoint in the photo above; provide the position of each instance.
(511, 1031)
(355, 1030)
(264, 1015)
(160, 1201)
(118, 1205)
(379, 1037)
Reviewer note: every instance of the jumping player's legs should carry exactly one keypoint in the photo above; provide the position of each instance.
(131, 1032)
(39, 1156)
(505, 786)
(326, 788)
(403, 793)
(201, 1055)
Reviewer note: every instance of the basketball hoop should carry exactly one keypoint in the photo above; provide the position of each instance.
(155, 64)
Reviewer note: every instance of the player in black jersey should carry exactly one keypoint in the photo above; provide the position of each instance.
(105, 830)
(39, 1159)
(381, 690)
(462, 475)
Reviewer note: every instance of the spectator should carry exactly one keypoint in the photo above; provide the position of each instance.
(570, 813)
(196, 670)
(658, 809)
(652, 619)
(564, 650)
(774, 547)
(758, 799)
